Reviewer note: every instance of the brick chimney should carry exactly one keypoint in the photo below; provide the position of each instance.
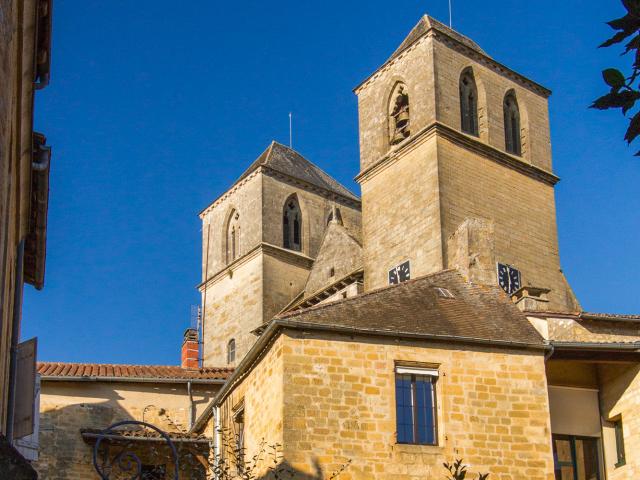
(190, 349)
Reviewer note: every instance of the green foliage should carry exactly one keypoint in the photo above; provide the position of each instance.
(458, 471)
(624, 91)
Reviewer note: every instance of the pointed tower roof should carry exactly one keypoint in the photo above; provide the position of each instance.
(287, 161)
(428, 23)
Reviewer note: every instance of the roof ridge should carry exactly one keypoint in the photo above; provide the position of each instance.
(365, 294)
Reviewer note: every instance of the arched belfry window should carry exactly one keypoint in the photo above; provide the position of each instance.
(232, 240)
(292, 225)
(231, 351)
(399, 124)
(513, 143)
(468, 103)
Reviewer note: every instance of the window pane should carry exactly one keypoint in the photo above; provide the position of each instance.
(425, 410)
(404, 414)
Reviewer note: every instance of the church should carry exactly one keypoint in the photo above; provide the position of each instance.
(381, 336)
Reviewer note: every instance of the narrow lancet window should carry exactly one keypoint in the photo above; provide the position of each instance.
(468, 103)
(513, 143)
(292, 225)
(232, 238)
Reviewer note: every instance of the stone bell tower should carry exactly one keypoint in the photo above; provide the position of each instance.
(260, 239)
(456, 171)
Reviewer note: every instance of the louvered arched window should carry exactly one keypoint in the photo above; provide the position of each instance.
(468, 103)
(292, 224)
(513, 142)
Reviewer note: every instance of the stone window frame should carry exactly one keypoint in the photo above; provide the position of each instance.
(469, 111)
(621, 458)
(289, 229)
(232, 237)
(512, 123)
(415, 370)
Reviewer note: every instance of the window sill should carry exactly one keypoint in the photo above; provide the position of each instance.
(620, 464)
(418, 448)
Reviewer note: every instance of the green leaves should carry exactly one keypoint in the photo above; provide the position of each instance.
(458, 471)
(625, 91)
(614, 78)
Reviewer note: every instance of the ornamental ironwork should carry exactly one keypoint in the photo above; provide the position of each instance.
(125, 463)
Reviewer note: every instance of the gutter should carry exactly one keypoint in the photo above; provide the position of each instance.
(60, 378)
(630, 347)
(279, 323)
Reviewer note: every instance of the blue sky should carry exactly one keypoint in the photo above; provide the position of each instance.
(155, 107)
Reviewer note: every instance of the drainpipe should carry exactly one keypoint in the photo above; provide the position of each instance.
(217, 435)
(15, 339)
(548, 355)
(190, 405)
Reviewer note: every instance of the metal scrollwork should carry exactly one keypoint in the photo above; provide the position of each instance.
(127, 462)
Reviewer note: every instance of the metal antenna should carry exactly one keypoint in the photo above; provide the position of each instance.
(290, 130)
(450, 23)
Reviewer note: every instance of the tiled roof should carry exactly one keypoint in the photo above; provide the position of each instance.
(289, 162)
(129, 372)
(475, 313)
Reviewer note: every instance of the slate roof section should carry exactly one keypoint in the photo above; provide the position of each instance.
(427, 23)
(115, 372)
(287, 161)
(414, 308)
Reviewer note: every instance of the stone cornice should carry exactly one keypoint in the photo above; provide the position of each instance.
(313, 188)
(466, 141)
(292, 180)
(226, 194)
(290, 256)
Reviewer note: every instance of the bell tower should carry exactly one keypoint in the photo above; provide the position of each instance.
(455, 168)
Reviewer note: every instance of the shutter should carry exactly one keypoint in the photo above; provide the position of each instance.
(29, 445)
(24, 415)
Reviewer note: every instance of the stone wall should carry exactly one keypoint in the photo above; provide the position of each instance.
(401, 216)
(242, 295)
(332, 399)
(232, 307)
(17, 51)
(260, 394)
(417, 193)
(620, 398)
(67, 407)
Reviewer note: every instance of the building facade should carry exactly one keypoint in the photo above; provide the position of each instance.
(25, 29)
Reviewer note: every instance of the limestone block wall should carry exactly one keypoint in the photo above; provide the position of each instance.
(339, 405)
(571, 330)
(232, 307)
(284, 276)
(521, 208)
(315, 206)
(620, 398)
(415, 68)
(492, 86)
(260, 394)
(246, 199)
(401, 215)
(67, 407)
(17, 23)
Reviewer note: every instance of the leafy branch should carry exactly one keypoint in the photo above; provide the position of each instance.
(624, 91)
(458, 471)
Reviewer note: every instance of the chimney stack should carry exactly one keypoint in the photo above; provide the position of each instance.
(190, 349)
